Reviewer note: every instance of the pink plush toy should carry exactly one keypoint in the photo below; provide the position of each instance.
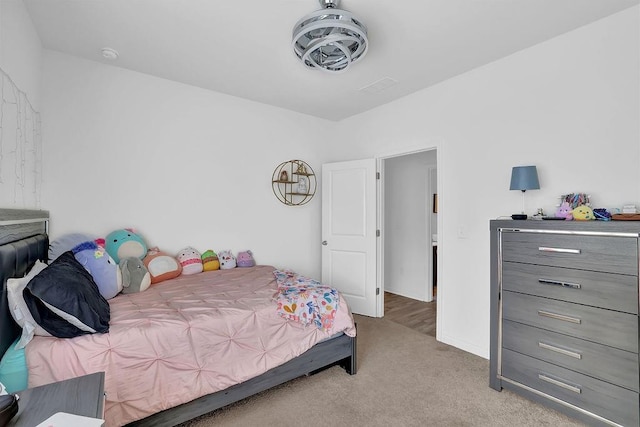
(564, 211)
(245, 259)
(190, 260)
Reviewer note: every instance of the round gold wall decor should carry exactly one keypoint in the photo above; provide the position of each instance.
(294, 182)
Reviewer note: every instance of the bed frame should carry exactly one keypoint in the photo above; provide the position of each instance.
(24, 239)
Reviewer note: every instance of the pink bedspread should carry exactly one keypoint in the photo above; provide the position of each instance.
(182, 339)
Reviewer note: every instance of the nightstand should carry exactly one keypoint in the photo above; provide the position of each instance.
(81, 396)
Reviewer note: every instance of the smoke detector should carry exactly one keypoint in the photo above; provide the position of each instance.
(110, 54)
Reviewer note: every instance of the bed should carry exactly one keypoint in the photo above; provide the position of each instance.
(211, 374)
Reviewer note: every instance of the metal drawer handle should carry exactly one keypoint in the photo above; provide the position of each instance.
(560, 283)
(561, 250)
(559, 383)
(569, 353)
(556, 316)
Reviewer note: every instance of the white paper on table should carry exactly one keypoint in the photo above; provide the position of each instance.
(63, 419)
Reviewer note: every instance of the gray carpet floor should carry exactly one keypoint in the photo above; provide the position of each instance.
(404, 378)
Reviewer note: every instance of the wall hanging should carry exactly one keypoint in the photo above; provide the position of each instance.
(294, 182)
(20, 148)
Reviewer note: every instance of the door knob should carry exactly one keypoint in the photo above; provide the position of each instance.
(324, 243)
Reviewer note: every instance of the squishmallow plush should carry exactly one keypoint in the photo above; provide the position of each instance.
(583, 213)
(210, 261)
(245, 259)
(101, 266)
(564, 211)
(65, 243)
(191, 260)
(227, 260)
(602, 214)
(135, 276)
(125, 243)
(161, 265)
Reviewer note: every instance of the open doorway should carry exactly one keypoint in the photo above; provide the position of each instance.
(410, 238)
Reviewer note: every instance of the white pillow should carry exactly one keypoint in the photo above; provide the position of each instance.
(19, 309)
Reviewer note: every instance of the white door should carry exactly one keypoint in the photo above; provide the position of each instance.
(349, 232)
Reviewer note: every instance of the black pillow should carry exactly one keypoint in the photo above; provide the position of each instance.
(65, 301)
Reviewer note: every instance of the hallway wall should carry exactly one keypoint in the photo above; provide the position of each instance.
(407, 224)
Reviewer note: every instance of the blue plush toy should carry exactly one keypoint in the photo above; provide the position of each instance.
(65, 243)
(124, 244)
(101, 266)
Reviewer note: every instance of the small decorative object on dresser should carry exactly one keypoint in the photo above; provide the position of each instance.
(564, 211)
(564, 316)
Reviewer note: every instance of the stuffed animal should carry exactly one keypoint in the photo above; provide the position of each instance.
(245, 259)
(125, 243)
(101, 266)
(191, 260)
(602, 214)
(583, 213)
(210, 261)
(65, 243)
(161, 265)
(135, 276)
(227, 260)
(564, 211)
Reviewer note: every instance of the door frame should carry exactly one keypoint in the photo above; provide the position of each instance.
(380, 158)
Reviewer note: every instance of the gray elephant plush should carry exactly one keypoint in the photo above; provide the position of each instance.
(135, 276)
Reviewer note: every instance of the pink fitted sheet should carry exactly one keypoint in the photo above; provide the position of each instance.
(182, 339)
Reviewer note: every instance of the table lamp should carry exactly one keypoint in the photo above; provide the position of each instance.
(523, 178)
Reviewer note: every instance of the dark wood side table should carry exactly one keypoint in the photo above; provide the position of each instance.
(80, 396)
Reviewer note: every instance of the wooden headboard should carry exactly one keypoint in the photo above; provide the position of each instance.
(23, 240)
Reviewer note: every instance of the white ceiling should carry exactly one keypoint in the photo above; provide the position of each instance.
(243, 48)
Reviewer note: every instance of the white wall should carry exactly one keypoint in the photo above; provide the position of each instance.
(569, 106)
(20, 78)
(181, 165)
(407, 224)
(20, 49)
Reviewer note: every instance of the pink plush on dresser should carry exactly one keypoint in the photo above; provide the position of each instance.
(182, 339)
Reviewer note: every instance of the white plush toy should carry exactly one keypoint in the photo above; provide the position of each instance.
(227, 260)
(190, 260)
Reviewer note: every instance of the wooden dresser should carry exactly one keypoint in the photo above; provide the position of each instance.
(564, 316)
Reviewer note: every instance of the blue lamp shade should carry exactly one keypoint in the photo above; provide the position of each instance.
(524, 178)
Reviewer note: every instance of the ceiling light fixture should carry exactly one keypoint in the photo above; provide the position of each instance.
(330, 39)
(109, 53)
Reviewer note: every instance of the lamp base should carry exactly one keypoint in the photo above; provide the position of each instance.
(519, 216)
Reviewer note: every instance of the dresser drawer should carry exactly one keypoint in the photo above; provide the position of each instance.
(612, 328)
(609, 364)
(606, 290)
(596, 253)
(609, 401)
